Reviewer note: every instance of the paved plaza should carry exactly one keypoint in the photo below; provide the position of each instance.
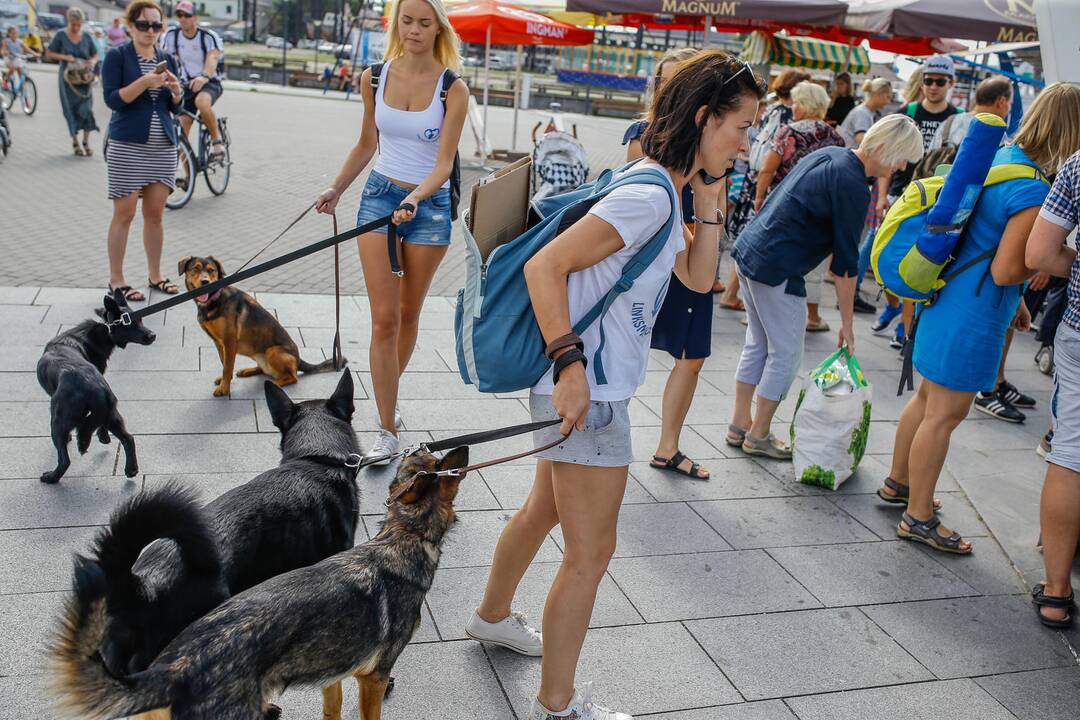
(745, 597)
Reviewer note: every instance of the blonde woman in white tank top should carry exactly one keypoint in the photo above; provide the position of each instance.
(418, 141)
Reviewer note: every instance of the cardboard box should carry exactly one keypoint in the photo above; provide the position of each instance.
(499, 207)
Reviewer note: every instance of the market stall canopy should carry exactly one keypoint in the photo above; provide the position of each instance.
(761, 48)
(989, 20)
(511, 25)
(812, 12)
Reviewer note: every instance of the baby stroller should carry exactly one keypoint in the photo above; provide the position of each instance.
(559, 160)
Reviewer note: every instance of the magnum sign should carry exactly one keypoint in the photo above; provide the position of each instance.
(699, 7)
(812, 12)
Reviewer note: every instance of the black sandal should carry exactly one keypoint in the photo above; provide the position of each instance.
(78, 150)
(902, 492)
(165, 285)
(925, 532)
(130, 293)
(672, 464)
(1040, 599)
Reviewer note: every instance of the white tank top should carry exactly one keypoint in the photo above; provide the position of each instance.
(408, 141)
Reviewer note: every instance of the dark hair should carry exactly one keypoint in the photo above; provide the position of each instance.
(786, 80)
(135, 9)
(711, 79)
(990, 90)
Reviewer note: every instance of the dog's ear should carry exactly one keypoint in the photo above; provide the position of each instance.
(184, 262)
(100, 312)
(217, 264)
(341, 402)
(455, 459)
(281, 407)
(112, 303)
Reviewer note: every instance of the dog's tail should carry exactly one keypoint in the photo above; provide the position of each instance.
(83, 683)
(324, 366)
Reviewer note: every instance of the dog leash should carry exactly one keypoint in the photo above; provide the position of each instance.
(280, 235)
(338, 357)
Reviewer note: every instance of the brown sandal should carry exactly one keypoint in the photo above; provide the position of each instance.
(130, 294)
(165, 285)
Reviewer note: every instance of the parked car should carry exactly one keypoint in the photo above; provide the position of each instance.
(276, 43)
(325, 46)
(231, 36)
(51, 21)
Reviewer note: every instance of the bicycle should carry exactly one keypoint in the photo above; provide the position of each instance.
(5, 133)
(25, 89)
(192, 161)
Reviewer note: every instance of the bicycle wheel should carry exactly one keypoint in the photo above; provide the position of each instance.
(4, 143)
(185, 177)
(217, 172)
(7, 97)
(29, 96)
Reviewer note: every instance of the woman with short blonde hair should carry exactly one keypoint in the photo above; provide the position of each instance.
(74, 49)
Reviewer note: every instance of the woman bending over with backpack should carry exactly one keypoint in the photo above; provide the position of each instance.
(960, 336)
(416, 134)
(697, 123)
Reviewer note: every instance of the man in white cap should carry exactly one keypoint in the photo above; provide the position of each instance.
(198, 52)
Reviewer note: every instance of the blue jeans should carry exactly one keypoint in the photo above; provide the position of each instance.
(864, 258)
(430, 226)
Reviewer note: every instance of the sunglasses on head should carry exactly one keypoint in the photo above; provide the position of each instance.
(745, 68)
(940, 82)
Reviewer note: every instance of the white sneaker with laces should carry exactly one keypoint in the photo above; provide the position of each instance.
(581, 707)
(385, 444)
(397, 418)
(512, 632)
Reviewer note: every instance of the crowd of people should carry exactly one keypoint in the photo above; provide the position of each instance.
(805, 178)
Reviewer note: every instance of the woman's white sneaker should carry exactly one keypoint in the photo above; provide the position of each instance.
(386, 445)
(581, 707)
(512, 632)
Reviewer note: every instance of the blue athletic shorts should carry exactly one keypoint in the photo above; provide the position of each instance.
(431, 226)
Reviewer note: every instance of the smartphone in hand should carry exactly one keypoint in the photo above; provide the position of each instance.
(161, 67)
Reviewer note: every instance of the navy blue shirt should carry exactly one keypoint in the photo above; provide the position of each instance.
(817, 210)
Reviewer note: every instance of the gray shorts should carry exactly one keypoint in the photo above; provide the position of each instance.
(605, 441)
(1065, 401)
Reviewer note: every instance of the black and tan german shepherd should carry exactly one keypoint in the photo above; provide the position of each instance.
(164, 561)
(349, 615)
(72, 371)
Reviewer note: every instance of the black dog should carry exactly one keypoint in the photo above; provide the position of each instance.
(72, 372)
(166, 561)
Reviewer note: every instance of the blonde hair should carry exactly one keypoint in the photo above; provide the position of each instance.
(1050, 130)
(675, 55)
(447, 45)
(811, 99)
(913, 90)
(876, 85)
(75, 14)
(894, 138)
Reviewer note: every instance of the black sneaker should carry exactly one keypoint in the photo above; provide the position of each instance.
(994, 405)
(1009, 392)
(861, 306)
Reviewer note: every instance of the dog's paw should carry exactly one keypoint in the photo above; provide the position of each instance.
(83, 445)
(103, 436)
(50, 478)
(217, 380)
(221, 391)
(131, 470)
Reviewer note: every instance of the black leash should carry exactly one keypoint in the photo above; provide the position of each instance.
(339, 359)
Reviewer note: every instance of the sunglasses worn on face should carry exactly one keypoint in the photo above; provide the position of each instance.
(148, 26)
(183, 15)
(940, 82)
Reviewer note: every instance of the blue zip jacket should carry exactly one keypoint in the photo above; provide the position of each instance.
(131, 121)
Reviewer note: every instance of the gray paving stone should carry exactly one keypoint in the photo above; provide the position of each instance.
(661, 529)
(451, 415)
(865, 573)
(692, 444)
(29, 457)
(144, 385)
(22, 314)
(431, 386)
(871, 474)
(25, 419)
(75, 501)
(25, 632)
(16, 358)
(989, 570)
(957, 699)
(457, 592)
(176, 417)
(973, 636)
(809, 651)
(511, 485)
(766, 710)
(702, 585)
(623, 662)
(356, 341)
(34, 561)
(641, 415)
(162, 454)
(32, 335)
(1037, 695)
(656, 380)
(156, 358)
(16, 386)
(24, 696)
(773, 522)
(730, 478)
(18, 295)
(956, 513)
(445, 680)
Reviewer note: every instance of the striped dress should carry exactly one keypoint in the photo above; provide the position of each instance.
(133, 166)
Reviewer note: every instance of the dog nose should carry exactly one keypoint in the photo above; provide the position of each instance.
(204, 281)
(150, 336)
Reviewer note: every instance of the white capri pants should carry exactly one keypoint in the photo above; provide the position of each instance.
(775, 330)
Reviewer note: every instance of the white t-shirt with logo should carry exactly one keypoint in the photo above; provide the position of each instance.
(190, 50)
(637, 212)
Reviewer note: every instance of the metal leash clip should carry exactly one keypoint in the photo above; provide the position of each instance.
(354, 465)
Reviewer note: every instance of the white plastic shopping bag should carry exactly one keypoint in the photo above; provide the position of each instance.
(832, 422)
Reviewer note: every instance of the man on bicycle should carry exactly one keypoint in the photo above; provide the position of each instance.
(197, 51)
(13, 49)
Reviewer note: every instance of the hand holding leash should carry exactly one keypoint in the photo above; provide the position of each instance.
(406, 211)
(571, 398)
(327, 201)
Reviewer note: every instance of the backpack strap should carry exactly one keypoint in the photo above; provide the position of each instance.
(449, 77)
(911, 109)
(376, 72)
(633, 267)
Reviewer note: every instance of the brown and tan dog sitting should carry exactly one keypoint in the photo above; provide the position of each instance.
(239, 325)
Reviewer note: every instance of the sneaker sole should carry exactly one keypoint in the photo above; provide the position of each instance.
(508, 646)
(992, 414)
(765, 453)
(1041, 451)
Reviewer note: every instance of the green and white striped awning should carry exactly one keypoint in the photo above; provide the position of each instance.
(761, 48)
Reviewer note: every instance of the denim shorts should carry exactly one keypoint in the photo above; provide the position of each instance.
(430, 226)
(605, 441)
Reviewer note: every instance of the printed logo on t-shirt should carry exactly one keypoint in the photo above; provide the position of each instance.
(430, 135)
(643, 325)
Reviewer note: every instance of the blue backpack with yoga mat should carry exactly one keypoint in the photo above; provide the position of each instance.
(498, 341)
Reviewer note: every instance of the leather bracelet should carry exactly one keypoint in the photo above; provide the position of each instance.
(559, 343)
(566, 360)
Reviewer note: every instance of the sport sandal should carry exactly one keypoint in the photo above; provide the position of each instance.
(925, 532)
(735, 436)
(770, 447)
(1040, 599)
(902, 493)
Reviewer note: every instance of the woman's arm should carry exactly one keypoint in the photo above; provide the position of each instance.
(1047, 250)
(765, 177)
(53, 51)
(112, 74)
(696, 265)
(1008, 266)
(457, 105)
(360, 154)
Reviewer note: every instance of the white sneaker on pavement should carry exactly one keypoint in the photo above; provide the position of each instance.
(512, 632)
(397, 418)
(581, 707)
(385, 444)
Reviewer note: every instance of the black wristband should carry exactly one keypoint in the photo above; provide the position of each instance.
(567, 359)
